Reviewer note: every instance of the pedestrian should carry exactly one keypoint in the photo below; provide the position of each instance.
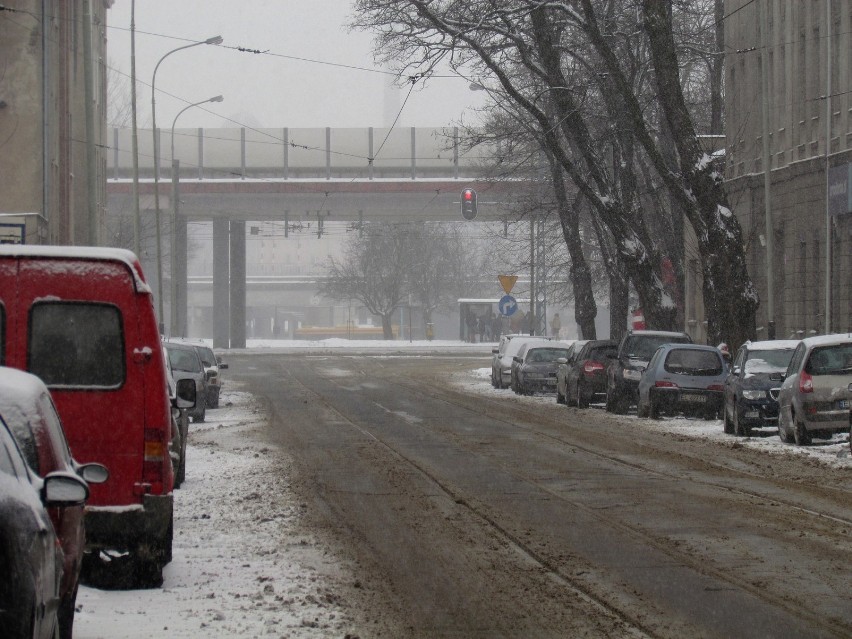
(470, 322)
(480, 328)
(555, 326)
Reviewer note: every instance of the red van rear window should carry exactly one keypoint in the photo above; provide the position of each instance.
(76, 344)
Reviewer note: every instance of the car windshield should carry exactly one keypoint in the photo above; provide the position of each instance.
(830, 360)
(546, 354)
(644, 346)
(768, 361)
(207, 357)
(184, 360)
(684, 361)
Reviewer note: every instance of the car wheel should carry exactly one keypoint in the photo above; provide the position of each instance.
(615, 403)
(213, 400)
(740, 430)
(654, 410)
(200, 417)
(610, 399)
(727, 424)
(782, 432)
(493, 379)
(65, 614)
(560, 398)
(642, 409)
(569, 400)
(800, 434)
(582, 399)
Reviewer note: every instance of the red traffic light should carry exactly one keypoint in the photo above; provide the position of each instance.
(468, 204)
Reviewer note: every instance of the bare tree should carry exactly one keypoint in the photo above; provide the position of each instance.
(565, 64)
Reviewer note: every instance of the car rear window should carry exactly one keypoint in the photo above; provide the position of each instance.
(769, 361)
(830, 360)
(75, 344)
(546, 354)
(600, 353)
(644, 346)
(682, 361)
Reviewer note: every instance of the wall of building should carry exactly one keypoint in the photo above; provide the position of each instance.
(807, 57)
(43, 167)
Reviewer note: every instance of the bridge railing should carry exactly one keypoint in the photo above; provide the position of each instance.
(302, 153)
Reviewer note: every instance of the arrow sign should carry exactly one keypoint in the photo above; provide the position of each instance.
(507, 305)
(507, 282)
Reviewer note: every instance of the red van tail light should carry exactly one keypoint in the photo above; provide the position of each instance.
(806, 383)
(664, 384)
(592, 366)
(155, 455)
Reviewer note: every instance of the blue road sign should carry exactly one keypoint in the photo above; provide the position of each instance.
(507, 305)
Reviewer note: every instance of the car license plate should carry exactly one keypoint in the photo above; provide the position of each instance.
(693, 398)
(843, 403)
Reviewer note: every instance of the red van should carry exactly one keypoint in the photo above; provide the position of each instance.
(82, 319)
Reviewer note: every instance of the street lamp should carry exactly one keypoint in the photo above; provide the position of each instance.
(174, 328)
(213, 40)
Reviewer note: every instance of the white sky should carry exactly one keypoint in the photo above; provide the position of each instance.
(271, 90)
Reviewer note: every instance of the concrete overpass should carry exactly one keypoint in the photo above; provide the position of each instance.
(231, 176)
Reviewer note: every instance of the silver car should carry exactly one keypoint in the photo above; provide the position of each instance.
(816, 394)
(683, 378)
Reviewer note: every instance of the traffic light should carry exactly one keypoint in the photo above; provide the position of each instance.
(468, 204)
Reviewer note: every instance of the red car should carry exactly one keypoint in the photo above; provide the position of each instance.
(28, 411)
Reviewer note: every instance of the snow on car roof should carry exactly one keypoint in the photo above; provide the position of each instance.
(19, 392)
(773, 344)
(820, 340)
(95, 253)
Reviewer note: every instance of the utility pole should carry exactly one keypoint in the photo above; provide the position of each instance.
(137, 217)
(89, 97)
(828, 247)
(767, 171)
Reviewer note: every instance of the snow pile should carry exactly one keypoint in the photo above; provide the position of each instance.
(239, 568)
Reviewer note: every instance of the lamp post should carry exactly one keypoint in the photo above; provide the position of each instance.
(174, 328)
(213, 40)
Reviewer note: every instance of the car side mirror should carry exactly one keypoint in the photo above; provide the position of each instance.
(93, 473)
(735, 370)
(186, 393)
(64, 489)
(776, 377)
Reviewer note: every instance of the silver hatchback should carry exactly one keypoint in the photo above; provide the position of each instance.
(816, 394)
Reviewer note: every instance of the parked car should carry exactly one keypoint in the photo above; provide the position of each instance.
(625, 369)
(213, 367)
(30, 552)
(497, 353)
(563, 365)
(585, 378)
(185, 363)
(82, 319)
(751, 397)
(28, 411)
(182, 396)
(534, 367)
(816, 393)
(504, 364)
(683, 378)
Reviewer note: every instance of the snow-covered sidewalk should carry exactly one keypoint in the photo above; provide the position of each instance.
(239, 568)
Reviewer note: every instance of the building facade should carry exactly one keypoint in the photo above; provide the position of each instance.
(788, 73)
(53, 121)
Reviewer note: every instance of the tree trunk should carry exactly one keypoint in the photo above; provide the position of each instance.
(387, 327)
(585, 307)
(619, 304)
(730, 300)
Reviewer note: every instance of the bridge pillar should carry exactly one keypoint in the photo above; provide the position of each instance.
(180, 276)
(221, 301)
(238, 284)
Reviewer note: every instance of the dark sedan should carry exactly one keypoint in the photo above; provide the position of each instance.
(585, 379)
(29, 550)
(535, 365)
(751, 397)
(31, 416)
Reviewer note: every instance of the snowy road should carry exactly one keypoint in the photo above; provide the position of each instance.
(390, 495)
